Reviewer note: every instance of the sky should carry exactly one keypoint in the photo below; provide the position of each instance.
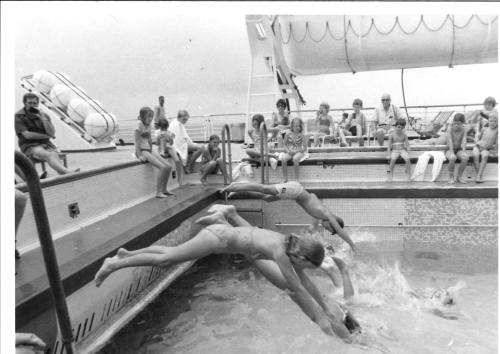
(127, 54)
(196, 54)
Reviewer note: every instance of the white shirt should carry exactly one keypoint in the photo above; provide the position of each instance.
(181, 139)
(387, 117)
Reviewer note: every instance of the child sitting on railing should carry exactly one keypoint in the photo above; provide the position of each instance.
(144, 151)
(295, 145)
(398, 146)
(488, 143)
(165, 141)
(324, 123)
(211, 160)
(255, 135)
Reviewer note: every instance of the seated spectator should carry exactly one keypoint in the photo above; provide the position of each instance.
(487, 144)
(34, 131)
(384, 118)
(356, 123)
(211, 160)
(342, 130)
(183, 143)
(324, 123)
(280, 122)
(255, 134)
(479, 119)
(165, 141)
(457, 140)
(295, 145)
(398, 146)
(144, 151)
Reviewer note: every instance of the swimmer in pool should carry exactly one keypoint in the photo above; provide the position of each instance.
(280, 258)
(440, 301)
(293, 190)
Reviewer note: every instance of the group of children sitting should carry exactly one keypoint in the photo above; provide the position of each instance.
(211, 156)
(290, 137)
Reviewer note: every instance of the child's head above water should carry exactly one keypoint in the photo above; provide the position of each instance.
(305, 251)
(146, 115)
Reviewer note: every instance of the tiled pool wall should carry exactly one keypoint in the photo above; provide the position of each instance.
(448, 234)
(369, 172)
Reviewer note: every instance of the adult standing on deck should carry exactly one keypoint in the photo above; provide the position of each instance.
(159, 111)
(183, 143)
(34, 131)
(384, 118)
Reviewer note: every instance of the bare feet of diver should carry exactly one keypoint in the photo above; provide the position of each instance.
(105, 271)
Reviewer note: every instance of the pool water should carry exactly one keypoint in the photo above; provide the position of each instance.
(223, 305)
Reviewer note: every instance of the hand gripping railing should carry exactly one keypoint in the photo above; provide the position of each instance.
(48, 251)
(264, 158)
(229, 174)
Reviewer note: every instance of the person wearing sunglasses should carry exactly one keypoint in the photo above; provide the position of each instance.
(384, 118)
(281, 258)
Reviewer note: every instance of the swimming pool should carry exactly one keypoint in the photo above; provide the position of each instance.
(224, 305)
(423, 244)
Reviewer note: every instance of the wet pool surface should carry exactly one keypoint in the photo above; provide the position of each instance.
(223, 305)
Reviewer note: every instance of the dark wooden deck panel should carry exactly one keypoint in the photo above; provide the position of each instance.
(81, 253)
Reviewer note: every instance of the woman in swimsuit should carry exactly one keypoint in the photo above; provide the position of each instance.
(280, 258)
(144, 151)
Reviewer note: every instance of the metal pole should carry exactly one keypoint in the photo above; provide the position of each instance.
(264, 157)
(225, 128)
(48, 250)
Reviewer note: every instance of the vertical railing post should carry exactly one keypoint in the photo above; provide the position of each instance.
(225, 128)
(264, 154)
(48, 250)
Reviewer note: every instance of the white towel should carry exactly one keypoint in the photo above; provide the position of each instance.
(423, 161)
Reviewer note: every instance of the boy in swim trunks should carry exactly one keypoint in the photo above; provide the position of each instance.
(487, 144)
(398, 146)
(457, 140)
(293, 190)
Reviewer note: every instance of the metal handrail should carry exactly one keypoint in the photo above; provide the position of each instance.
(264, 157)
(229, 173)
(211, 115)
(48, 250)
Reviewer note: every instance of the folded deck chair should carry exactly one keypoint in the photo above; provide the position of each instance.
(432, 129)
